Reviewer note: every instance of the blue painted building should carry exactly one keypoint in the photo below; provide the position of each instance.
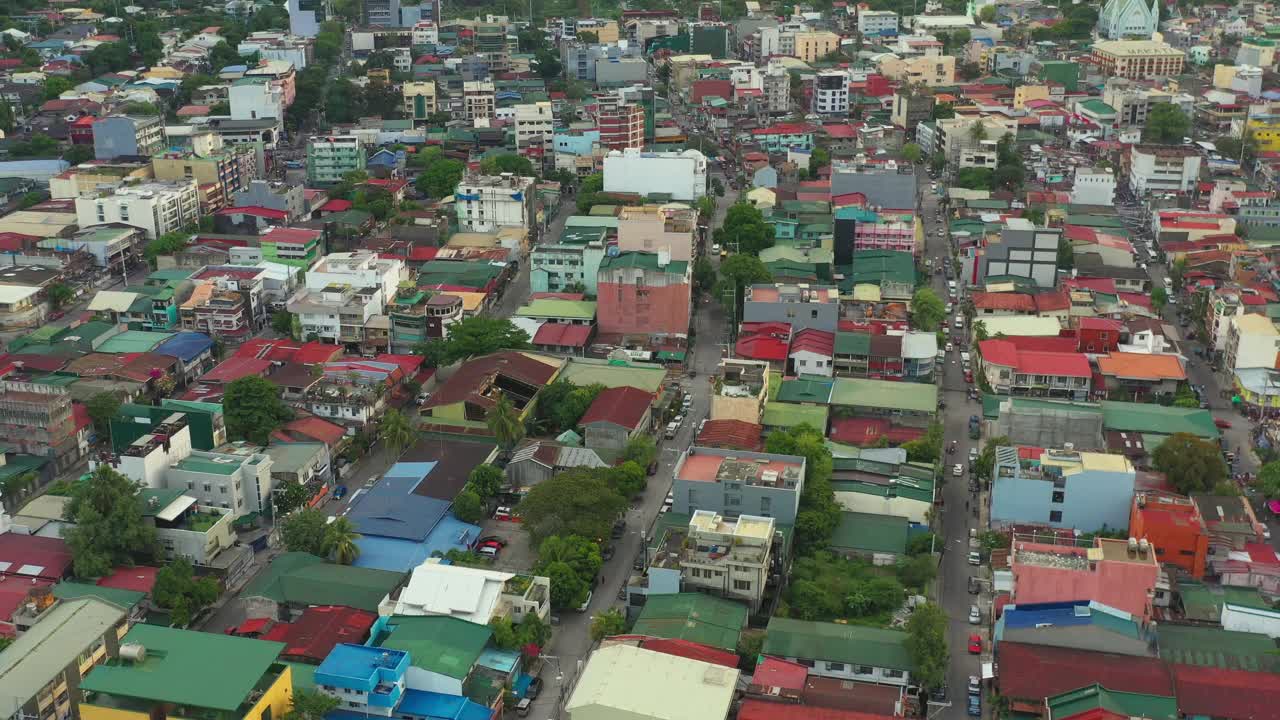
(1063, 489)
(1080, 624)
(399, 529)
(367, 680)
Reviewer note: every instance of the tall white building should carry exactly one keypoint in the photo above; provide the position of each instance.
(156, 207)
(1163, 168)
(535, 126)
(486, 203)
(359, 270)
(682, 175)
(1094, 187)
(1122, 19)
(255, 99)
(478, 99)
(831, 93)
(877, 23)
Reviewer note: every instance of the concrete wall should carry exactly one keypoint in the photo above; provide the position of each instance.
(1091, 500)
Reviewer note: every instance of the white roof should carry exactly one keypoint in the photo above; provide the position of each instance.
(114, 300)
(626, 681)
(10, 294)
(466, 593)
(919, 345)
(176, 508)
(1022, 325)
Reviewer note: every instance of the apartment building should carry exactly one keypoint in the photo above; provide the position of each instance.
(1118, 573)
(877, 23)
(1252, 342)
(1162, 168)
(228, 303)
(485, 203)
(1137, 59)
(735, 482)
(329, 157)
(478, 99)
(644, 294)
(155, 208)
(1013, 371)
(777, 88)
(535, 126)
(1173, 526)
(127, 136)
(419, 99)
(831, 93)
(654, 228)
(802, 306)
(729, 558)
(41, 670)
(926, 70)
(380, 13)
(1062, 488)
(621, 124)
(680, 175)
(218, 175)
(814, 45)
(416, 318)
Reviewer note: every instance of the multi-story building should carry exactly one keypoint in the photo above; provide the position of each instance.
(338, 314)
(329, 157)
(155, 208)
(256, 98)
(363, 679)
(306, 16)
(643, 294)
(425, 32)
(272, 195)
(802, 306)
(297, 247)
(1172, 524)
(910, 108)
(621, 124)
(777, 88)
(156, 665)
(1083, 491)
(1137, 59)
(893, 231)
(380, 13)
(1024, 251)
(681, 176)
(41, 671)
(1094, 186)
(1116, 573)
(127, 136)
(1130, 102)
(535, 126)
(831, 93)
(1012, 371)
(419, 99)
(477, 99)
(653, 228)
(227, 303)
(816, 44)
(218, 176)
(361, 269)
(113, 247)
(417, 318)
(572, 261)
(1162, 168)
(1265, 129)
(734, 482)
(1252, 342)
(877, 23)
(729, 558)
(485, 203)
(279, 46)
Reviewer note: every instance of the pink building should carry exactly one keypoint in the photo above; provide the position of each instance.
(1112, 572)
(643, 293)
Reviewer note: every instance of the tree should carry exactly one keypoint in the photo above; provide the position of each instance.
(978, 131)
(911, 153)
(928, 448)
(548, 64)
(986, 462)
(304, 531)
(744, 226)
(311, 705)
(577, 552)
(59, 295)
(167, 244)
(819, 512)
(487, 480)
(1066, 253)
(253, 409)
(1166, 123)
(561, 404)
(282, 322)
(15, 487)
(102, 407)
(1177, 271)
(641, 450)
(77, 154)
(567, 589)
(468, 507)
(576, 502)
(182, 593)
(1159, 298)
(607, 624)
(396, 431)
(1191, 463)
(738, 271)
(340, 542)
(109, 527)
(55, 85)
(927, 645)
(704, 275)
(974, 178)
(481, 335)
(440, 178)
(628, 479)
(503, 420)
(7, 118)
(927, 310)
(1269, 480)
(987, 13)
(917, 572)
(289, 496)
(507, 163)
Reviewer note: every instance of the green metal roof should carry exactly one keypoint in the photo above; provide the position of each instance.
(646, 260)
(907, 488)
(805, 391)
(885, 394)
(207, 466)
(853, 343)
(557, 308)
(866, 532)
(877, 266)
(440, 644)
(134, 341)
(1157, 419)
(789, 415)
(696, 617)
(1215, 647)
(178, 668)
(1124, 704)
(304, 675)
(300, 578)
(67, 590)
(1098, 107)
(611, 374)
(35, 657)
(851, 644)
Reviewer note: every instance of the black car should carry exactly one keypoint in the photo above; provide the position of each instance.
(535, 687)
(619, 529)
(607, 553)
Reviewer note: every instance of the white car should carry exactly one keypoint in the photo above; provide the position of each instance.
(974, 558)
(975, 616)
(957, 470)
(715, 248)
(950, 347)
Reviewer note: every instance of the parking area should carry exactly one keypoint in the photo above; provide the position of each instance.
(518, 553)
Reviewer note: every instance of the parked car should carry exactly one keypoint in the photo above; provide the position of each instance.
(535, 687)
(973, 454)
(975, 706)
(975, 558)
(975, 617)
(619, 529)
(975, 685)
(957, 470)
(975, 587)
(607, 553)
(488, 551)
(494, 539)
(1222, 422)
(975, 644)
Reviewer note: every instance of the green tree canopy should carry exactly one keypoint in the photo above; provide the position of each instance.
(745, 230)
(396, 431)
(102, 407)
(303, 531)
(567, 589)
(253, 409)
(109, 527)
(487, 480)
(561, 404)
(607, 624)
(1190, 463)
(478, 335)
(575, 502)
(819, 512)
(467, 506)
(504, 422)
(179, 590)
(1166, 123)
(508, 163)
(927, 645)
(927, 310)
(311, 705)
(911, 152)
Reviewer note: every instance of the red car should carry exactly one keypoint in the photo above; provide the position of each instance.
(975, 644)
(968, 377)
(1222, 423)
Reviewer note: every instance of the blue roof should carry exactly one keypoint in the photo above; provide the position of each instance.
(425, 704)
(397, 555)
(186, 346)
(1068, 614)
(361, 667)
(504, 661)
(415, 470)
(235, 68)
(390, 509)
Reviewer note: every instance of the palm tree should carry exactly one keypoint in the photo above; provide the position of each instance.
(340, 541)
(396, 431)
(504, 422)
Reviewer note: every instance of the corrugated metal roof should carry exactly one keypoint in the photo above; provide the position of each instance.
(67, 630)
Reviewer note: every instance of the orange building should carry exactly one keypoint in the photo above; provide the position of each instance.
(1172, 523)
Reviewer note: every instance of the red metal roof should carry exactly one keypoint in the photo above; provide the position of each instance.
(755, 709)
(819, 342)
(1017, 302)
(562, 334)
(1034, 672)
(313, 635)
(138, 579)
(234, 368)
(32, 556)
(691, 650)
(1230, 694)
(784, 129)
(424, 254)
(310, 428)
(624, 406)
(336, 205)
(1007, 354)
(315, 353)
(868, 431)
(736, 434)
(776, 672)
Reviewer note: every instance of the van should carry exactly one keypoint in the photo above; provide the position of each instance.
(671, 430)
(964, 358)
(951, 285)
(1168, 284)
(959, 323)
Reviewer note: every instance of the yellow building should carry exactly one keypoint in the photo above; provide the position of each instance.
(1266, 130)
(930, 71)
(1025, 93)
(419, 99)
(206, 674)
(813, 46)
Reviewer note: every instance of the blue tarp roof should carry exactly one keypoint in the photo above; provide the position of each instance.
(396, 555)
(390, 509)
(186, 346)
(425, 704)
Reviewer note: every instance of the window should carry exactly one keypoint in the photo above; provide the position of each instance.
(1055, 516)
(892, 673)
(863, 670)
(208, 487)
(742, 585)
(835, 667)
(1059, 496)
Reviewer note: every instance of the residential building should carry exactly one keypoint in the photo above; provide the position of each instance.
(843, 652)
(911, 108)
(485, 203)
(187, 530)
(784, 136)
(364, 679)
(419, 99)
(731, 482)
(553, 268)
(218, 175)
(165, 667)
(1137, 59)
(1122, 19)
(1141, 374)
(155, 208)
(801, 306)
(476, 595)
(113, 247)
(1094, 187)
(926, 70)
(295, 247)
(659, 686)
(1117, 573)
(777, 88)
(644, 294)
(1024, 251)
(37, 419)
(478, 99)
(535, 125)
(417, 318)
(908, 404)
(228, 303)
(1172, 525)
(329, 157)
(339, 314)
(877, 23)
(127, 136)
(41, 671)
(287, 198)
(815, 45)
(380, 13)
(658, 228)
(1252, 342)
(831, 93)
(729, 558)
(621, 124)
(256, 98)
(686, 617)
(306, 16)
(1014, 371)
(1084, 491)
(616, 416)
(678, 176)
